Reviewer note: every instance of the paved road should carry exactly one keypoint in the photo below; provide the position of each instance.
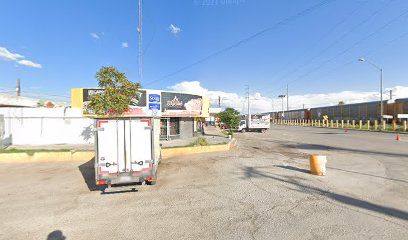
(261, 190)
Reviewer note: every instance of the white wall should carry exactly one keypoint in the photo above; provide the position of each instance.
(38, 126)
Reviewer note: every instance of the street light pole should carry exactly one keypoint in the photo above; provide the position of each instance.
(282, 97)
(381, 84)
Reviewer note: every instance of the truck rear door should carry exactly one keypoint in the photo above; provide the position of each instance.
(139, 133)
(111, 146)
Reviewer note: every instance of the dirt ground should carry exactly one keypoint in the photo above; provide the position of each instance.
(260, 190)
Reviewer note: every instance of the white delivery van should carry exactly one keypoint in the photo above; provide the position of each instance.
(127, 151)
(255, 122)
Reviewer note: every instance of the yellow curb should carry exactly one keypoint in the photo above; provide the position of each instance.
(81, 156)
(172, 152)
(47, 156)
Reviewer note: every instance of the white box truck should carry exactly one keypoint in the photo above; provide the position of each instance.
(127, 152)
(255, 122)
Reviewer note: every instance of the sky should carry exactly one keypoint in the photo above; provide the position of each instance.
(214, 46)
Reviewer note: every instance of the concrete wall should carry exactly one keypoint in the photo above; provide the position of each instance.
(37, 126)
(186, 127)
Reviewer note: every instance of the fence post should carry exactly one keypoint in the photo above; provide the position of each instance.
(360, 124)
(368, 125)
(375, 124)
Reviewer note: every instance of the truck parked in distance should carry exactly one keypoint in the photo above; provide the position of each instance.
(255, 122)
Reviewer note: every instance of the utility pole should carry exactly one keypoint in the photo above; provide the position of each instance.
(140, 53)
(287, 97)
(219, 101)
(247, 89)
(272, 104)
(18, 88)
(283, 110)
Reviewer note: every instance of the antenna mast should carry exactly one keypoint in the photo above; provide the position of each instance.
(139, 30)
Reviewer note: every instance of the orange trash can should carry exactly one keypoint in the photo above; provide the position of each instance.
(318, 164)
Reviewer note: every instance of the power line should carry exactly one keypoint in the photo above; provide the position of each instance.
(350, 47)
(320, 40)
(334, 43)
(245, 40)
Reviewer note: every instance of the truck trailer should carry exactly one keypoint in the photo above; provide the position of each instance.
(255, 122)
(127, 151)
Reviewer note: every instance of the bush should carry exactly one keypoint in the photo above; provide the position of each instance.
(200, 141)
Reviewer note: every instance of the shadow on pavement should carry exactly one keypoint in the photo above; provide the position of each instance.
(370, 175)
(88, 173)
(56, 235)
(293, 168)
(325, 147)
(251, 172)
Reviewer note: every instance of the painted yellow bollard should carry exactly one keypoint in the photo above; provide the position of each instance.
(375, 125)
(353, 123)
(337, 123)
(383, 125)
(318, 164)
(368, 124)
(342, 123)
(404, 125)
(331, 123)
(348, 123)
(360, 124)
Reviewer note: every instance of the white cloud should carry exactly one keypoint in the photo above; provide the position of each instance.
(94, 35)
(125, 45)
(17, 58)
(261, 103)
(174, 29)
(9, 56)
(29, 63)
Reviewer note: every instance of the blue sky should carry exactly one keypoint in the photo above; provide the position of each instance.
(315, 53)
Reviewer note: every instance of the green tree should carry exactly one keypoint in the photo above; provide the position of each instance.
(118, 94)
(230, 116)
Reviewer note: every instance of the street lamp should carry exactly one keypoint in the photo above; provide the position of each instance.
(282, 96)
(381, 83)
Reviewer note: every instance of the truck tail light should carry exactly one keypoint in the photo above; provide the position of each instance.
(100, 182)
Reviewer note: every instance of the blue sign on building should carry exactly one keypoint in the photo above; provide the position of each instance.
(154, 98)
(154, 106)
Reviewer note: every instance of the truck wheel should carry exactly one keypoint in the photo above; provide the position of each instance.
(243, 130)
(263, 130)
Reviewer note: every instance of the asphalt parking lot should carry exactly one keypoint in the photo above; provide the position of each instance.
(260, 190)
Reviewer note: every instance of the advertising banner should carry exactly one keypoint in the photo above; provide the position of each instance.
(149, 103)
(181, 104)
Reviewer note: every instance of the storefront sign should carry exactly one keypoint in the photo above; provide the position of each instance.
(154, 106)
(149, 103)
(181, 104)
(154, 98)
